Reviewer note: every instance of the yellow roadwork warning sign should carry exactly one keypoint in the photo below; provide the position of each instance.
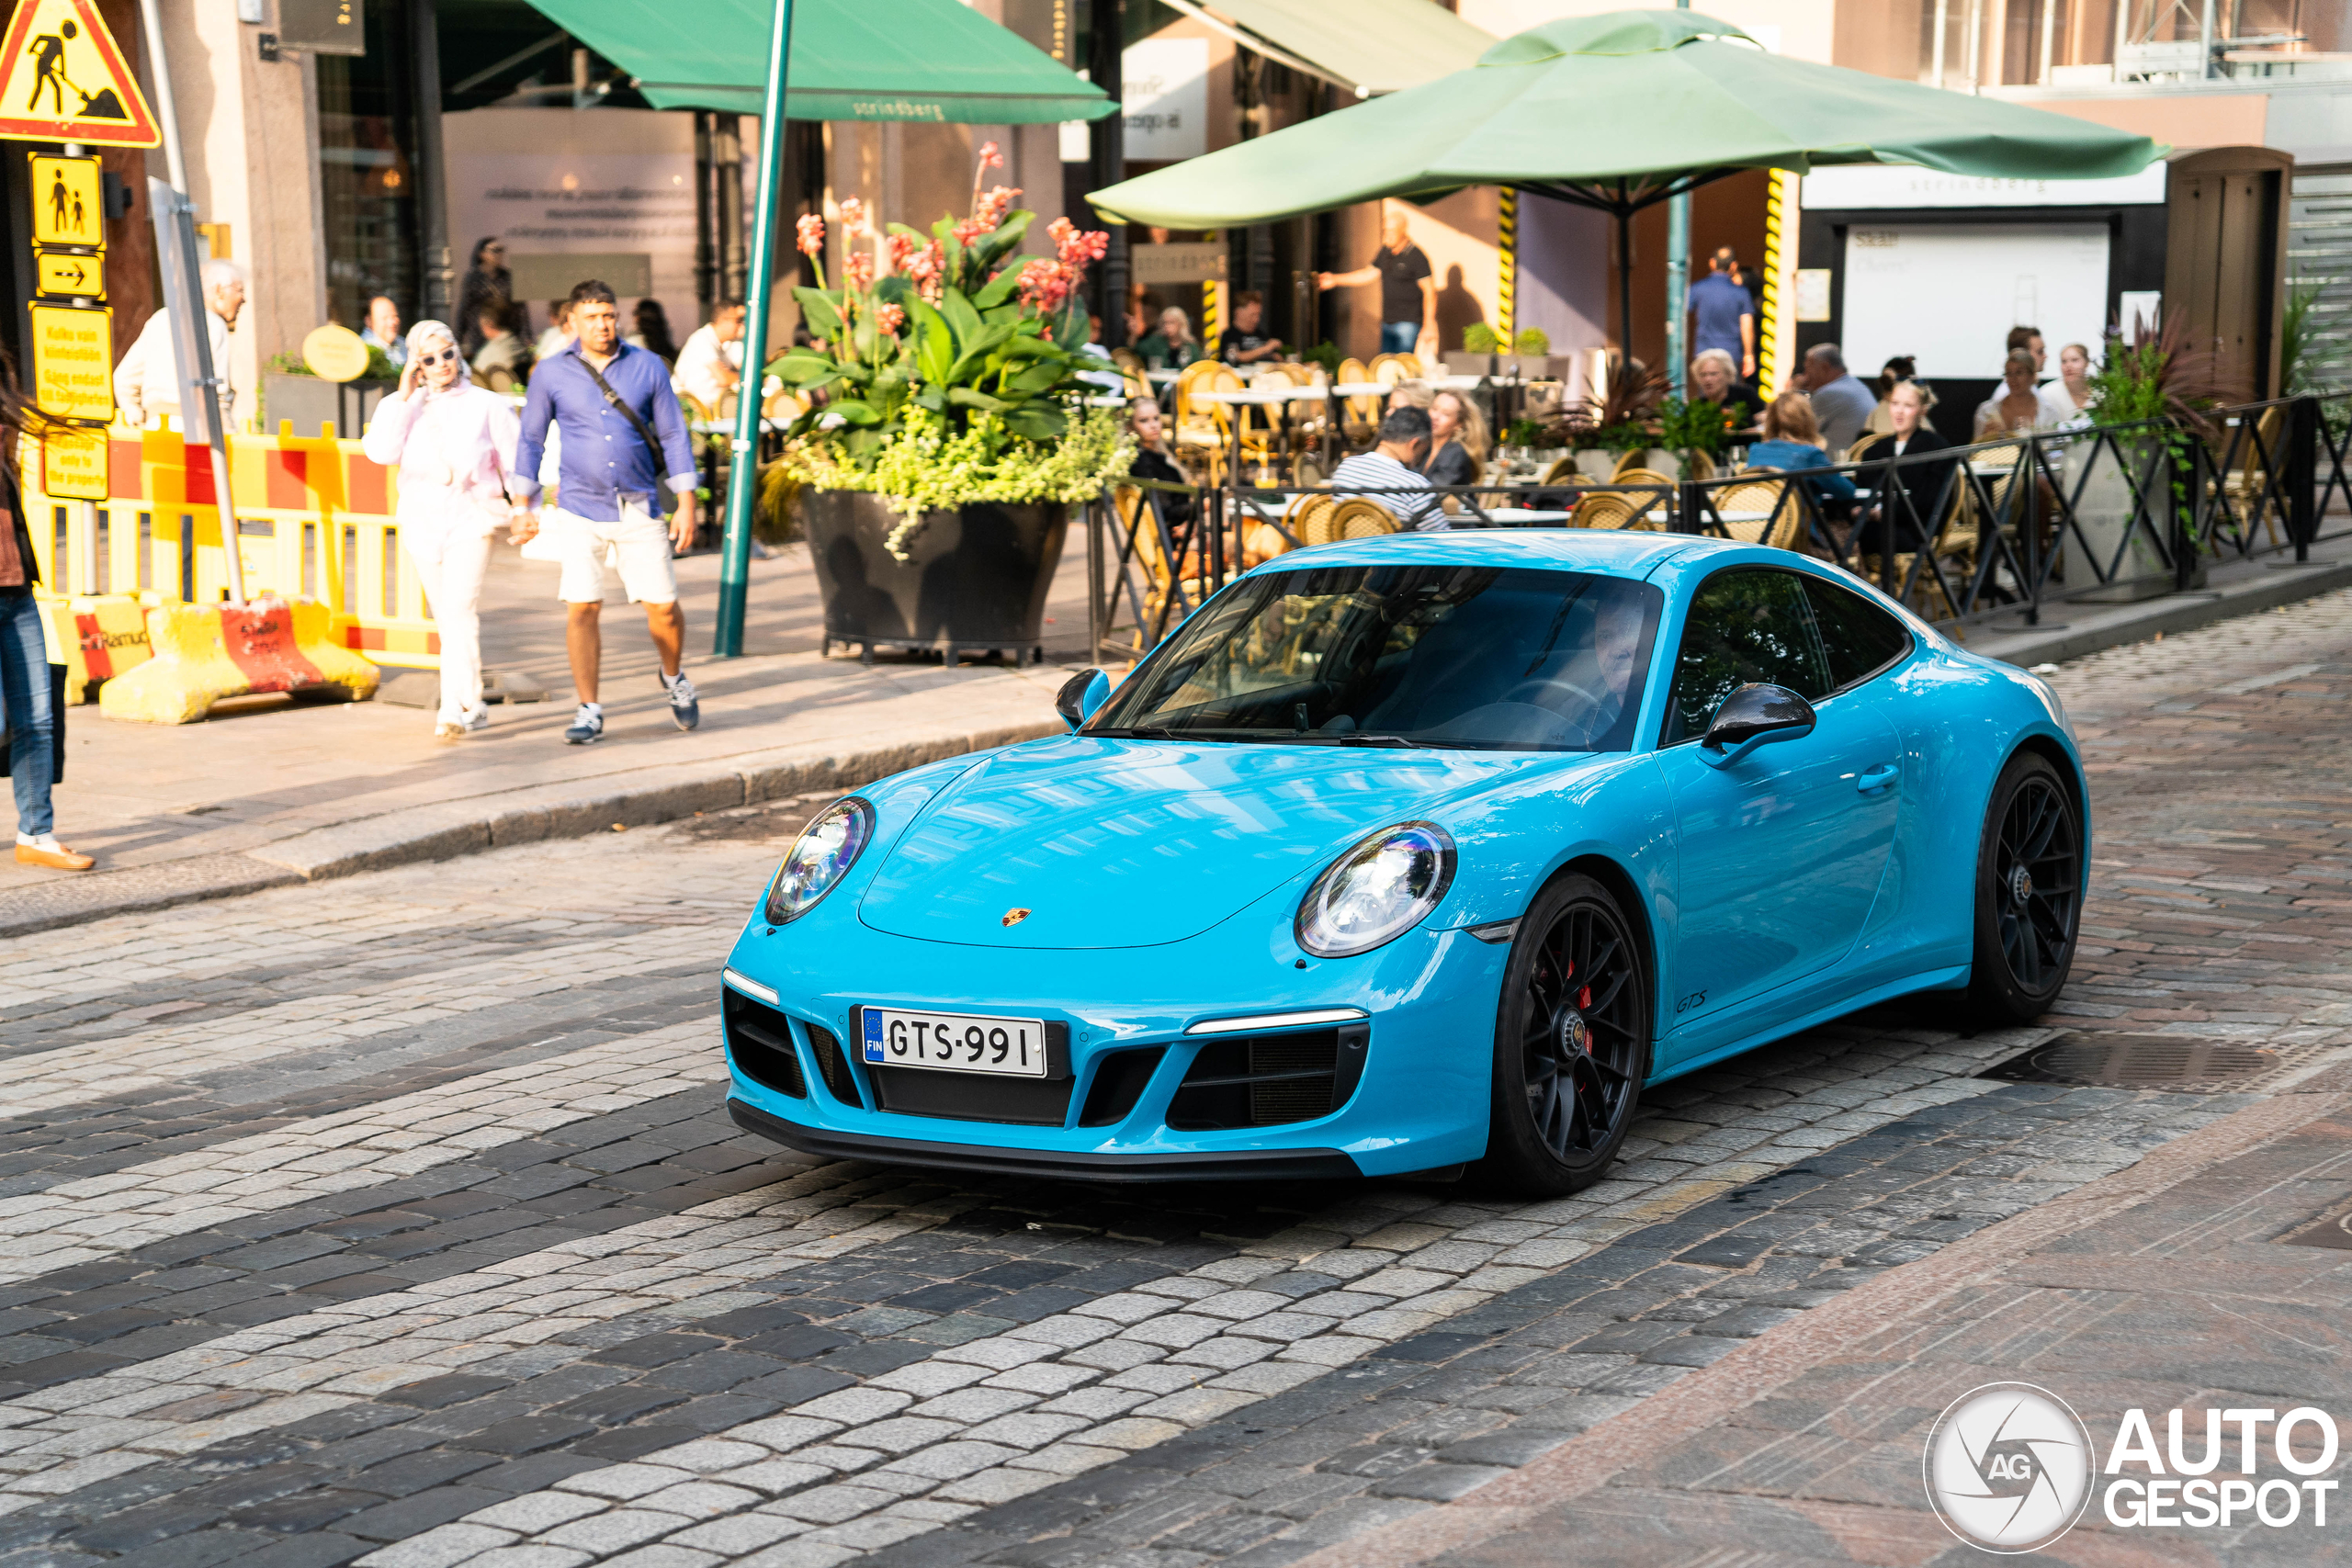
(74, 464)
(66, 203)
(73, 362)
(63, 79)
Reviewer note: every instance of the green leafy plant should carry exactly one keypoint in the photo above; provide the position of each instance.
(1534, 342)
(2158, 377)
(1699, 425)
(1478, 338)
(1327, 354)
(2299, 341)
(950, 378)
(1624, 418)
(1523, 433)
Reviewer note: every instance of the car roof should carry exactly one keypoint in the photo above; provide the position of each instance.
(1612, 551)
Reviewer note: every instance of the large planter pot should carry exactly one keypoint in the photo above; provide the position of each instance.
(310, 403)
(2104, 516)
(975, 582)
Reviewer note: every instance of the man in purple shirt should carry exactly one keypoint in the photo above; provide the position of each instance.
(613, 405)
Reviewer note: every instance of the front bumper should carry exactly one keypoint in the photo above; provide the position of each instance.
(1293, 1164)
(1418, 1100)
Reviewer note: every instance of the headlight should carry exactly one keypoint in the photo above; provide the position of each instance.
(820, 857)
(1377, 891)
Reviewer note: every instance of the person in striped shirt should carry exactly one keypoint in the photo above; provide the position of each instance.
(1392, 466)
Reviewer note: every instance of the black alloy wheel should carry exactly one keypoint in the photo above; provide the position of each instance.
(2029, 893)
(1572, 1041)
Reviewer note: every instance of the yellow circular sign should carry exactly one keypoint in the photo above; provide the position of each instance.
(335, 353)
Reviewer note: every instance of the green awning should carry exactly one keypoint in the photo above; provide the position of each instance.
(919, 60)
(1368, 46)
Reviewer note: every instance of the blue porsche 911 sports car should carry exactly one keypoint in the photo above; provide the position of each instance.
(1414, 853)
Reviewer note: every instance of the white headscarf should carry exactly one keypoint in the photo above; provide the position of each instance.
(425, 333)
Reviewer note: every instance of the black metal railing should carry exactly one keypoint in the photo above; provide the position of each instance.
(2003, 528)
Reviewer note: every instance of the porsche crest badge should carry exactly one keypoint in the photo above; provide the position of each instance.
(1014, 917)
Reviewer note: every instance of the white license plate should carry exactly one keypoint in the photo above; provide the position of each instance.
(954, 1042)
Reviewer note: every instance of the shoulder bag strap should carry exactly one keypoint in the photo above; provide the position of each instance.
(644, 431)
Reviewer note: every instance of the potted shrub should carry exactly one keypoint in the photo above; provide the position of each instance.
(1622, 418)
(936, 468)
(2165, 391)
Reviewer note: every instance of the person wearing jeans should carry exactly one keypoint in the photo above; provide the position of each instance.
(1408, 298)
(454, 443)
(26, 692)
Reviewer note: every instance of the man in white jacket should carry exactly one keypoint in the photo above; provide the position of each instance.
(147, 382)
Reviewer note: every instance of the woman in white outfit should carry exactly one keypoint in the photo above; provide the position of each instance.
(455, 444)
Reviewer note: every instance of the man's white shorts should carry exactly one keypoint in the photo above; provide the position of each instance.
(639, 544)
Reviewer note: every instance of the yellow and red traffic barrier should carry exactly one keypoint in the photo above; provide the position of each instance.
(204, 653)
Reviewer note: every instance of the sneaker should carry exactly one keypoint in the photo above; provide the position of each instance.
(587, 724)
(685, 706)
(465, 724)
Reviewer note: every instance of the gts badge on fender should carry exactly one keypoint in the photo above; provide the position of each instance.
(1691, 1003)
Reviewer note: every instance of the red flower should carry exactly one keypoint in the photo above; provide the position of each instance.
(991, 208)
(1074, 248)
(990, 157)
(1046, 283)
(811, 230)
(857, 269)
(853, 216)
(889, 318)
(903, 250)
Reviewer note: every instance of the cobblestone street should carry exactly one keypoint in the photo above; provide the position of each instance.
(397, 1218)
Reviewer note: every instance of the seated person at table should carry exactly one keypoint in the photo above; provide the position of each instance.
(1714, 377)
(1457, 441)
(1911, 496)
(1243, 344)
(2017, 406)
(1154, 461)
(1902, 368)
(1840, 402)
(2065, 402)
(1393, 466)
(1409, 395)
(1174, 346)
(1791, 444)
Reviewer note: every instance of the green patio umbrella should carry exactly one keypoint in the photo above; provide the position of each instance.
(1619, 112)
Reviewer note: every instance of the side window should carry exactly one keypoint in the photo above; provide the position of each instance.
(1859, 638)
(1747, 624)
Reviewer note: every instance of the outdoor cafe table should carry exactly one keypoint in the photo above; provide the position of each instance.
(1270, 397)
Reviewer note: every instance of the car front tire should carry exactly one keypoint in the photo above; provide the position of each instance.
(1572, 1043)
(2029, 893)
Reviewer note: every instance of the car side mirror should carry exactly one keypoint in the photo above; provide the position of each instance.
(1081, 695)
(1756, 715)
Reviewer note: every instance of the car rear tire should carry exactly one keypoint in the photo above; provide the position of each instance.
(1572, 1043)
(2029, 893)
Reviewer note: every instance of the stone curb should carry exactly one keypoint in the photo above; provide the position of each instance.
(536, 815)
(2243, 588)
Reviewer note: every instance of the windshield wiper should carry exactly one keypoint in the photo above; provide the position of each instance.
(1384, 740)
(1137, 732)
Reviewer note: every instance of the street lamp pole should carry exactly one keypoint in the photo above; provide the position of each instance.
(742, 470)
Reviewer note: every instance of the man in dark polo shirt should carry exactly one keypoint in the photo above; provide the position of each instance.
(1724, 315)
(1408, 299)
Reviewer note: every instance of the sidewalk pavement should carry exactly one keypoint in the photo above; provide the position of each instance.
(274, 790)
(2178, 1282)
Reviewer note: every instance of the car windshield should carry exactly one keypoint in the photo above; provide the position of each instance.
(1499, 658)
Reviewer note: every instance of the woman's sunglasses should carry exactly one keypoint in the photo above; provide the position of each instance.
(436, 358)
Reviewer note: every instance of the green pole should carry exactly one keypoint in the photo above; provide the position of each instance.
(742, 468)
(1677, 278)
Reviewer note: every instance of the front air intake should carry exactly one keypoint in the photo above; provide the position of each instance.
(1269, 1080)
(759, 1039)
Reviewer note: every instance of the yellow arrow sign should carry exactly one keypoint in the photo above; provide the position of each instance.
(75, 277)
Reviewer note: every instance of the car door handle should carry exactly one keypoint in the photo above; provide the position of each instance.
(1877, 778)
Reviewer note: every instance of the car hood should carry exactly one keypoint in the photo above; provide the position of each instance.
(1134, 843)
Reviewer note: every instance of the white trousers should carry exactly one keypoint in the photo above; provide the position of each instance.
(450, 561)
